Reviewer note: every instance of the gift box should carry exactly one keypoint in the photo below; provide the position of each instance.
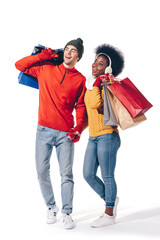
(132, 99)
(31, 81)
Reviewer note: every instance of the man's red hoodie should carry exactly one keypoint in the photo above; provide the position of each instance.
(60, 91)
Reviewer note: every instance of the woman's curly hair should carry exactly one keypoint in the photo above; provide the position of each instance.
(116, 56)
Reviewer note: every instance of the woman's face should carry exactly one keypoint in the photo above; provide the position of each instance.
(99, 66)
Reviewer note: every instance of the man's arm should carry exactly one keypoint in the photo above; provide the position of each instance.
(81, 116)
(31, 63)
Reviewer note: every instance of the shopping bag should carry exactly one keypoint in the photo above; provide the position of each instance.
(109, 116)
(128, 94)
(32, 81)
(28, 80)
(124, 119)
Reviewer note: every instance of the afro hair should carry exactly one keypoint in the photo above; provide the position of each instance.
(116, 56)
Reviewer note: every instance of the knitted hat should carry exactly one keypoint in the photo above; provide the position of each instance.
(78, 43)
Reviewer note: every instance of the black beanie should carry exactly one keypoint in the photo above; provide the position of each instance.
(78, 43)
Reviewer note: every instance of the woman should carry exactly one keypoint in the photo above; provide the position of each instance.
(104, 141)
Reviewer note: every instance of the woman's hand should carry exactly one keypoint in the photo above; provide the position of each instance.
(107, 78)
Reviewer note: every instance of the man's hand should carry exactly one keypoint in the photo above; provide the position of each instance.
(47, 54)
(74, 135)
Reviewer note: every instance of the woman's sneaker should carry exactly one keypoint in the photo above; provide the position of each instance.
(68, 222)
(104, 220)
(52, 214)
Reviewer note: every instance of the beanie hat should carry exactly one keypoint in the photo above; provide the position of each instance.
(78, 43)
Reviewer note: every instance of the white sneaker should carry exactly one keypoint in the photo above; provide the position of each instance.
(115, 208)
(103, 221)
(51, 214)
(68, 222)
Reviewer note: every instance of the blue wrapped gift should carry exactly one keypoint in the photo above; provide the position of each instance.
(31, 81)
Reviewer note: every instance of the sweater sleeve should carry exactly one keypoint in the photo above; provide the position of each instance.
(30, 65)
(96, 98)
(81, 114)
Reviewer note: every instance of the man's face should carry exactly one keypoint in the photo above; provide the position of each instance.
(70, 55)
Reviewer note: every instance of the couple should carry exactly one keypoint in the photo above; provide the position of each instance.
(61, 89)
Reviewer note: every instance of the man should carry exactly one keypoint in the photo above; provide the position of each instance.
(61, 89)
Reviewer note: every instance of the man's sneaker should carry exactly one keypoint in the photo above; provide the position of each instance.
(103, 221)
(115, 208)
(68, 222)
(51, 214)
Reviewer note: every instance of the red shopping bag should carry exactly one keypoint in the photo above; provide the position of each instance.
(132, 99)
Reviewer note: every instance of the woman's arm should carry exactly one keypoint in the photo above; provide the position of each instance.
(96, 98)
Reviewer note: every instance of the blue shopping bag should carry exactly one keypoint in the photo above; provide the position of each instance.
(28, 80)
(31, 81)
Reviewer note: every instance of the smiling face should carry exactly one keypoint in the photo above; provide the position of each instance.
(99, 66)
(70, 56)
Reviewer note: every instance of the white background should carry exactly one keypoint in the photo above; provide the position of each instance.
(133, 27)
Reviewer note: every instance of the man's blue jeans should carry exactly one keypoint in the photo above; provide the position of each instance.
(46, 139)
(101, 151)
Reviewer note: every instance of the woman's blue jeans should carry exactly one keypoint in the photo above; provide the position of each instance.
(46, 139)
(101, 151)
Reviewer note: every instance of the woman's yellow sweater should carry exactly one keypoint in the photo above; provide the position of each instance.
(94, 105)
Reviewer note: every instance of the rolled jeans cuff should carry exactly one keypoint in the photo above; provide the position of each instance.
(109, 204)
(66, 211)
